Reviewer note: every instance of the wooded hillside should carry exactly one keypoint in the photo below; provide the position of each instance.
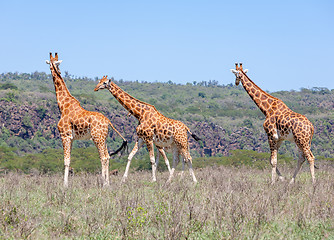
(224, 116)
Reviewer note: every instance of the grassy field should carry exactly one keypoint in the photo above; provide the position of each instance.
(227, 203)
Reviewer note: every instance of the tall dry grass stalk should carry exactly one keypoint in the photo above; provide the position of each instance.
(227, 203)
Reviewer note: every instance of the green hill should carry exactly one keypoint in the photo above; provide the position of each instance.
(224, 116)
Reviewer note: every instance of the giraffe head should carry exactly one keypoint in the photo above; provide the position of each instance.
(238, 72)
(104, 83)
(54, 62)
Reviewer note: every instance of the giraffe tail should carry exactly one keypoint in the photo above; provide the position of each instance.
(194, 135)
(124, 145)
(121, 149)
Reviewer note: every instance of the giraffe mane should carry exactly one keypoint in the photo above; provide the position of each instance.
(259, 87)
(139, 100)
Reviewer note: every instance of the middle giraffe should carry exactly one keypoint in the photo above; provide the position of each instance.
(153, 128)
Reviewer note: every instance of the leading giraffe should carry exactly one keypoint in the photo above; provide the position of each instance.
(153, 128)
(77, 123)
(281, 124)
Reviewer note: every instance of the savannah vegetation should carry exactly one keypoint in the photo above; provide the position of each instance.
(227, 203)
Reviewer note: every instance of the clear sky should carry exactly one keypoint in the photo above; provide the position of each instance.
(284, 44)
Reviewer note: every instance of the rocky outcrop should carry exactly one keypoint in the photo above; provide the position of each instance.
(29, 120)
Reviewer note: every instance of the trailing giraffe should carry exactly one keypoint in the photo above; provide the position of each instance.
(153, 128)
(77, 123)
(281, 124)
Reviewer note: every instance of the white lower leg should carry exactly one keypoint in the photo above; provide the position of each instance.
(154, 167)
(273, 174)
(312, 172)
(273, 161)
(281, 178)
(175, 162)
(126, 170)
(191, 171)
(66, 175)
(106, 174)
(137, 146)
(171, 173)
(168, 166)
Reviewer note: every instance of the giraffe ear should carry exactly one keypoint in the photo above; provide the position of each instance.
(47, 61)
(246, 70)
(58, 62)
(234, 71)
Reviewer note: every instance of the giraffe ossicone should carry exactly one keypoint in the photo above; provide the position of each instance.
(281, 124)
(76, 123)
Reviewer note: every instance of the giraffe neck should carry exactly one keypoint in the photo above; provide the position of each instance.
(62, 93)
(136, 107)
(266, 103)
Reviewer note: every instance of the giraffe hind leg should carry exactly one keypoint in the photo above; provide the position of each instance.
(188, 159)
(301, 160)
(163, 153)
(305, 154)
(104, 157)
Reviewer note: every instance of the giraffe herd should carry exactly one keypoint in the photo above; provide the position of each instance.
(167, 134)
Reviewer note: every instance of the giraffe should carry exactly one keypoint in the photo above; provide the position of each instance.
(153, 128)
(281, 124)
(77, 123)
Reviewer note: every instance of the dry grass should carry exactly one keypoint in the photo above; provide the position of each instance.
(227, 203)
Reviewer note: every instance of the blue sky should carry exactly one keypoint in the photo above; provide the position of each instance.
(284, 44)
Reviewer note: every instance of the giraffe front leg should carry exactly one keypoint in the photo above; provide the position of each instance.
(157, 158)
(137, 146)
(150, 147)
(273, 162)
(67, 146)
(274, 145)
(274, 170)
(280, 177)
